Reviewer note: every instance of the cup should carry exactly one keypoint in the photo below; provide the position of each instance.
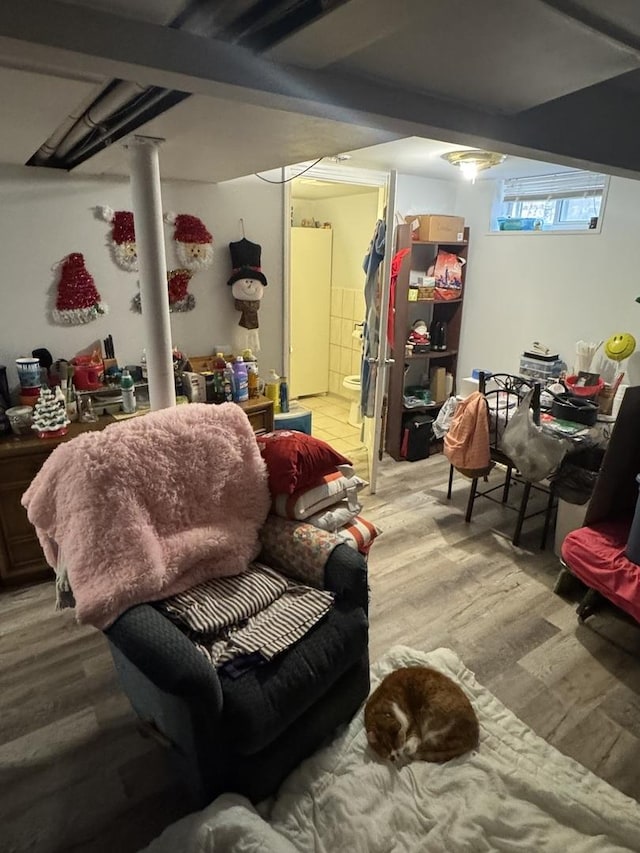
(20, 418)
(28, 372)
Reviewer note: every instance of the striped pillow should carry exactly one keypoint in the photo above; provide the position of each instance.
(359, 535)
(329, 490)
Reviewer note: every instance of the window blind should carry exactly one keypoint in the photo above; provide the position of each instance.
(577, 184)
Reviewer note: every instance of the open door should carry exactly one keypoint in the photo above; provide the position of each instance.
(375, 359)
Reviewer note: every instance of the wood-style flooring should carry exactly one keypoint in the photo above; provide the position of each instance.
(76, 775)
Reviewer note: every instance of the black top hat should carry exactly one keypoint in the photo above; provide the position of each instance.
(245, 260)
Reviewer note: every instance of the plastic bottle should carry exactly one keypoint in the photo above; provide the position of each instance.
(229, 383)
(143, 364)
(218, 379)
(252, 370)
(272, 389)
(284, 395)
(71, 402)
(241, 392)
(127, 386)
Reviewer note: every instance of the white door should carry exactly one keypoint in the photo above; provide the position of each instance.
(310, 278)
(376, 348)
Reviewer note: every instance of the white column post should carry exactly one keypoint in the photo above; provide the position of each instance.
(154, 297)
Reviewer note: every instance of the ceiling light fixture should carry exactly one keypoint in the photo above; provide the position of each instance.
(470, 162)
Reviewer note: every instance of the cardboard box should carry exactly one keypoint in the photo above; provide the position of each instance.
(438, 384)
(433, 228)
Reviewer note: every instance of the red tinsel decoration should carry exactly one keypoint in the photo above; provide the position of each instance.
(77, 288)
(178, 281)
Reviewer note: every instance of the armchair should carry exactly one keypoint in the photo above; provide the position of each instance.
(246, 734)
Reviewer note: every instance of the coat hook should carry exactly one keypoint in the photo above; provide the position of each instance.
(242, 224)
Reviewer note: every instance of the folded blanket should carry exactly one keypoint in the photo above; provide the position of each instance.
(150, 507)
(257, 614)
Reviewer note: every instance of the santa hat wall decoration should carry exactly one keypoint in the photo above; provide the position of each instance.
(77, 299)
(194, 243)
(179, 297)
(123, 237)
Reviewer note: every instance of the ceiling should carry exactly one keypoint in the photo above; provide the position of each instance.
(553, 81)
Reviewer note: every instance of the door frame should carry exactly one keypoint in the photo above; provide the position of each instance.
(341, 174)
(334, 173)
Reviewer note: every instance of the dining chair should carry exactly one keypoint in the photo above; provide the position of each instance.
(503, 393)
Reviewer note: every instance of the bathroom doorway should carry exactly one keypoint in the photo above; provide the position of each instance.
(332, 223)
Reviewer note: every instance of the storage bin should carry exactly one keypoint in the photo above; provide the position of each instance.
(298, 419)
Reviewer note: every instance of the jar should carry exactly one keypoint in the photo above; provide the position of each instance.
(20, 418)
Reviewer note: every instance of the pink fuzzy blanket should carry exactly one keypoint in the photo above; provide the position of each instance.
(150, 507)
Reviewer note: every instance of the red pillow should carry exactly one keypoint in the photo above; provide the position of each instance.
(296, 460)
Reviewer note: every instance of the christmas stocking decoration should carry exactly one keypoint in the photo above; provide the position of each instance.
(77, 300)
(194, 244)
(123, 237)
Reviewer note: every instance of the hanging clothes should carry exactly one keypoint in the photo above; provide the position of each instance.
(370, 335)
(396, 263)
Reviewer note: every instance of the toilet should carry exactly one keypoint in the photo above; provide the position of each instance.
(351, 385)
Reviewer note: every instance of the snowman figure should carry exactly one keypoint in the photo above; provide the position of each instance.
(247, 284)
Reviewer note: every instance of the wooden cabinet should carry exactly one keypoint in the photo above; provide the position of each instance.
(21, 559)
(260, 414)
(408, 370)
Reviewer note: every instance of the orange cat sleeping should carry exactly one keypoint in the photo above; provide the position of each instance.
(417, 713)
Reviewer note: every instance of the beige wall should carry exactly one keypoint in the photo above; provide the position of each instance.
(353, 219)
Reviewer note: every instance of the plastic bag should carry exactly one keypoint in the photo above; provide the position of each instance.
(441, 423)
(534, 454)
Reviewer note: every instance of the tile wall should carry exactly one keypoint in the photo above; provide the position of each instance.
(347, 308)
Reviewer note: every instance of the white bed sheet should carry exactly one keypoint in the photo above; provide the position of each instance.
(514, 793)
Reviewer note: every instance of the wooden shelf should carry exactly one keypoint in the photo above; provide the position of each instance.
(439, 242)
(432, 354)
(422, 408)
(405, 311)
(434, 301)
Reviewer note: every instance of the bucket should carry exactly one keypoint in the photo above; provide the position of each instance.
(633, 542)
(28, 372)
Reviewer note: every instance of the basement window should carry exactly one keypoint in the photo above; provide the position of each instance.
(563, 202)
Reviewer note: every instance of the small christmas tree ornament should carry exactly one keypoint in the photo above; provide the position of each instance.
(179, 297)
(49, 415)
(122, 241)
(194, 243)
(77, 300)
(247, 284)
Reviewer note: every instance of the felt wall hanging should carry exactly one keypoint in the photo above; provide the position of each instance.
(178, 288)
(194, 243)
(247, 282)
(122, 240)
(77, 299)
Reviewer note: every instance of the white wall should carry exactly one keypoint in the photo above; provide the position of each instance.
(47, 214)
(425, 195)
(548, 287)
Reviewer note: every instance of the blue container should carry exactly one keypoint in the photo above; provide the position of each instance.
(297, 419)
(520, 223)
(633, 542)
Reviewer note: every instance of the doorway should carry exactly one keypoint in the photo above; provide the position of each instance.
(332, 223)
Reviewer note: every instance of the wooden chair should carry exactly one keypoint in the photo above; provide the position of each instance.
(505, 393)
